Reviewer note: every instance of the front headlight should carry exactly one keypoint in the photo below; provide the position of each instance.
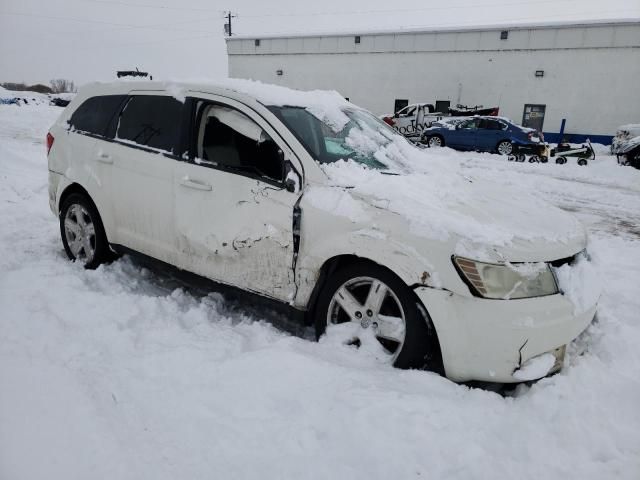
(507, 281)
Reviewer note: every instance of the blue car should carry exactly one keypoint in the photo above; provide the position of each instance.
(484, 134)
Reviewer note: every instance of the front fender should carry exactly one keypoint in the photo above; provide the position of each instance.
(327, 233)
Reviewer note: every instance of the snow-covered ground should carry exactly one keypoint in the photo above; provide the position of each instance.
(123, 373)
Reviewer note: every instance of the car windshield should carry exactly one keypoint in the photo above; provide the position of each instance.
(359, 140)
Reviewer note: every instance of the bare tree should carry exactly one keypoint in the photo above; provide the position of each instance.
(62, 85)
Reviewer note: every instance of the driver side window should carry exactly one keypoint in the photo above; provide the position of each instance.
(228, 139)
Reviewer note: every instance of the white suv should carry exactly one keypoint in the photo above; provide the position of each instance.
(305, 198)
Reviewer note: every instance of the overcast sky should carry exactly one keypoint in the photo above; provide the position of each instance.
(86, 40)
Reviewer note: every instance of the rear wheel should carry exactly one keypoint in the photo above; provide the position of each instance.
(561, 160)
(82, 232)
(435, 141)
(505, 147)
(582, 162)
(371, 304)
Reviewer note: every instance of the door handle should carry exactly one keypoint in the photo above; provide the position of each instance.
(187, 182)
(105, 158)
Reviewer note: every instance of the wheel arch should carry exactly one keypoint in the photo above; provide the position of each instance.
(71, 189)
(337, 262)
(75, 187)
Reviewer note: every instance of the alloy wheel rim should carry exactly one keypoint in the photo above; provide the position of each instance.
(80, 233)
(505, 148)
(435, 142)
(371, 304)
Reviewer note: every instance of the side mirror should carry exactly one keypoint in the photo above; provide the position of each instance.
(292, 179)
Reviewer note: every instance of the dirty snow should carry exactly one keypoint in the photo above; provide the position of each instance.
(125, 373)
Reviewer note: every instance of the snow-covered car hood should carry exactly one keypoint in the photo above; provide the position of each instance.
(629, 145)
(478, 219)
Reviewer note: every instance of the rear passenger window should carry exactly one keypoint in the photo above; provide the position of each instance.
(151, 121)
(95, 114)
(489, 124)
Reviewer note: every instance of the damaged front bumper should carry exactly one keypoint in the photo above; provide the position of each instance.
(492, 340)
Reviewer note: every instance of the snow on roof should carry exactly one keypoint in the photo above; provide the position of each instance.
(444, 28)
(327, 105)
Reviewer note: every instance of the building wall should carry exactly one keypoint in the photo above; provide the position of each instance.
(590, 72)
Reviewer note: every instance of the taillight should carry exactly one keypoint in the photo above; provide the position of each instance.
(389, 121)
(50, 140)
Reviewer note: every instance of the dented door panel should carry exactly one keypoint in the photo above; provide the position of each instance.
(239, 232)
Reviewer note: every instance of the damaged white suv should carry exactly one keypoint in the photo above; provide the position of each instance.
(305, 198)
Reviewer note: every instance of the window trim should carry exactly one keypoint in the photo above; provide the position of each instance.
(109, 124)
(189, 146)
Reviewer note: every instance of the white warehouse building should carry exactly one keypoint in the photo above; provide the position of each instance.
(586, 73)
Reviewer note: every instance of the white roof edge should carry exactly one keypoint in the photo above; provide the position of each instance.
(434, 29)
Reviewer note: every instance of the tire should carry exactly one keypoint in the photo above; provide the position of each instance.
(435, 141)
(82, 232)
(417, 347)
(582, 162)
(534, 159)
(561, 160)
(505, 147)
(521, 158)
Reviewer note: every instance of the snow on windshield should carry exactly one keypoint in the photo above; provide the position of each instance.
(428, 190)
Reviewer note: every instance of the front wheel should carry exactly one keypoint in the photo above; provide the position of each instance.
(368, 303)
(435, 141)
(505, 147)
(561, 160)
(83, 235)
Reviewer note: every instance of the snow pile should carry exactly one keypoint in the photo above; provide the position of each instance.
(439, 203)
(536, 367)
(580, 283)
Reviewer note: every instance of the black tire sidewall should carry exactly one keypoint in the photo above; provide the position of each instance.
(421, 349)
(102, 245)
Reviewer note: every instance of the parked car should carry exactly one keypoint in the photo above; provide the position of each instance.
(308, 200)
(628, 152)
(486, 134)
(623, 135)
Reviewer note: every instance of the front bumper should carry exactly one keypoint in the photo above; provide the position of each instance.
(488, 340)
